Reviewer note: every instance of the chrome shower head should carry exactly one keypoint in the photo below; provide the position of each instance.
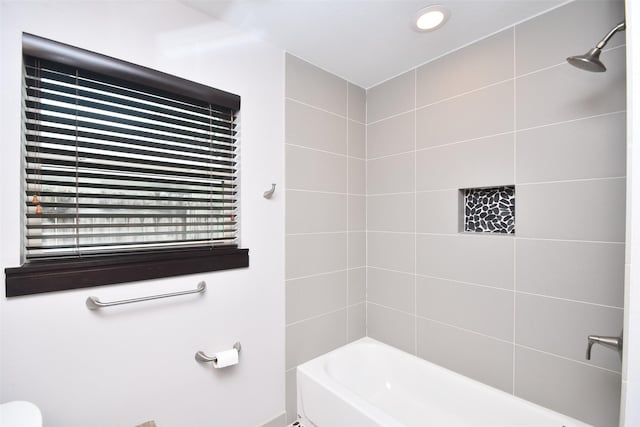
(590, 61)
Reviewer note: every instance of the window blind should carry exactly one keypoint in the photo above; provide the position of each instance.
(113, 166)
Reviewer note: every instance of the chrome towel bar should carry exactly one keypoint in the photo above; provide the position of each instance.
(93, 303)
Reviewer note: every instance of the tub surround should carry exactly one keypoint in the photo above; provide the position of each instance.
(325, 215)
(512, 311)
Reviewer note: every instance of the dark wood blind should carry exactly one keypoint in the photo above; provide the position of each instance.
(115, 166)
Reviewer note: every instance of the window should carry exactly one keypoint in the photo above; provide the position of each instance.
(129, 173)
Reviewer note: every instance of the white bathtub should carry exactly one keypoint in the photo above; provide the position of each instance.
(368, 383)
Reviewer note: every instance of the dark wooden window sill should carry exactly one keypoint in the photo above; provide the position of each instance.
(36, 277)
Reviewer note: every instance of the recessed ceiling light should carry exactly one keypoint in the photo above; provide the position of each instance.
(431, 18)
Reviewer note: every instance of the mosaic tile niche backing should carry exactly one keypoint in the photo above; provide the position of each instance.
(490, 210)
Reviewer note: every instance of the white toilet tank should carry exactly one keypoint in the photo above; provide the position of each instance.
(20, 413)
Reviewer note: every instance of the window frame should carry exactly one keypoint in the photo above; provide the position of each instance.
(48, 275)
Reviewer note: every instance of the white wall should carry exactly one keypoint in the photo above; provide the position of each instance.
(125, 365)
(630, 412)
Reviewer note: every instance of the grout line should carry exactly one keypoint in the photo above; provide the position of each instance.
(390, 117)
(298, 279)
(472, 235)
(605, 178)
(460, 282)
(323, 151)
(568, 240)
(297, 101)
(610, 113)
(317, 316)
(285, 183)
(515, 157)
(324, 273)
(349, 119)
(318, 233)
(415, 204)
(347, 218)
(612, 307)
(366, 219)
(459, 95)
(464, 141)
(389, 194)
(391, 232)
(324, 192)
(568, 359)
(386, 156)
(564, 181)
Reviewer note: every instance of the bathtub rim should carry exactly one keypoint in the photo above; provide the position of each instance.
(315, 370)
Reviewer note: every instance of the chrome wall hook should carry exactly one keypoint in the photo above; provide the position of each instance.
(267, 194)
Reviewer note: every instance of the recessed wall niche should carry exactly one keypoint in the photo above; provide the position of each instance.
(489, 210)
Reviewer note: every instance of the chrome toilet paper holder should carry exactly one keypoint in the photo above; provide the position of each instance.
(201, 356)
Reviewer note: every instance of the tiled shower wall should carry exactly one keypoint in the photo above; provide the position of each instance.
(325, 215)
(513, 311)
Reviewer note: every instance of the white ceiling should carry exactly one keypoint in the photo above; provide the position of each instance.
(368, 41)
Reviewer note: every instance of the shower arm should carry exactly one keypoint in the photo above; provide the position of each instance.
(620, 27)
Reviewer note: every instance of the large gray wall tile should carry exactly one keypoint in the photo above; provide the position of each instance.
(476, 356)
(311, 212)
(589, 148)
(391, 136)
(391, 327)
(392, 289)
(485, 260)
(312, 85)
(478, 308)
(357, 322)
(395, 174)
(569, 30)
(437, 212)
(315, 295)
(357, 103)
(481, 163)
(357, 285)
(357, 218)
(393, 251)
(357, 176)
(309, 254)
(488, 111)
(394, 212)
(566, 93)
(591, 272)
(307, 170)
(561, 327)
(391, 97)
(485, 62)
(578, 210)
(357, 256)
(587, 393)
(311, 338)
(314, 128)
(357, 142)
